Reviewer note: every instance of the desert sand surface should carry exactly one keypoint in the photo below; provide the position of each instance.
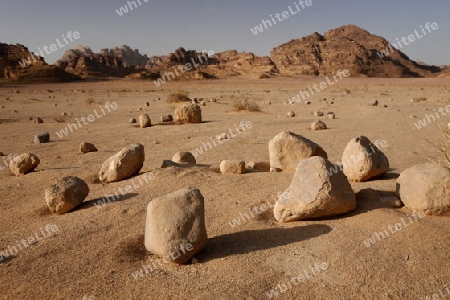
(94, 252)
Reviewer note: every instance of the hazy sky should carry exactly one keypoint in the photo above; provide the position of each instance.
(159, 27)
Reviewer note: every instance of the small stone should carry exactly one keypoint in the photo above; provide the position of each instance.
(291, 114)
(318, 125)
(318, 113)
(144, 121)
(232, 167)
(63, 113)
(66, 194)
(166, 118)
(38, 121)
(147, 103)
(307, 102)
(156, 142)
(87, 147)
(43, 137)
(133, 121)
(268, 103)
(331, 115)
(374, 102)
(184, 158)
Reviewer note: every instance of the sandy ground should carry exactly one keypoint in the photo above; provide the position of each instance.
(94, 251)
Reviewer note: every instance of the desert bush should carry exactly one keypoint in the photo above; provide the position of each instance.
(241, 105)
(443, 147)
(178, 96)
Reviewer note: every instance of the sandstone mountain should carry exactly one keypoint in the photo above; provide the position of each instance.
(347, 47)
(18, 64)
(113, 62)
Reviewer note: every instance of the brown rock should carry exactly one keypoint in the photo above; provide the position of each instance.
(24, 163)
(124, 164)
(191, 113)
(66, 194)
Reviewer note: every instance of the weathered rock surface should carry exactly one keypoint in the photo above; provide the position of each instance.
(66, 194)
(175, 227)
(43, 137)
(190, 113)
(288, 149)
(87, 147)
(144, 121)
(24, 163)
(184, 158)
(362, 160)
(124, 164)
(426, 188)
(313, 193)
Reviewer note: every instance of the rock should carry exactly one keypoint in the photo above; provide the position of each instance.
(38, 121)
(288, 149)
(318, 113)
(318, 125)
(133, 121)
(313, 193)
(425, 187)
(367, 195)
(147, 103)
(64, 113)
(144, 121)
(392, 202)
(175, 226)
(263, 166)
(307, 102)
(362, 160)
(43, 137)
(24, 163)
(87, 147)
(232, 167)
(66, 194)
(191, 113)
(166, 118)
(331, 115)
(184, 158)
(222, 136)
(156, 142)
(124, 164)
(2, 154)
(291, 114)
(374, 102)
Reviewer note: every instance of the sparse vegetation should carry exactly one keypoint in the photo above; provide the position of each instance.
(178, 96)
(444, 146)
(245, 105)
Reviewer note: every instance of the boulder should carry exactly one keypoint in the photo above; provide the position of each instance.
(314, 193)
(87, 147)
(175, 226)
(362, 160)
(232, 167)
(425, 188)
(124, 164)
(144, 121)
(288, 149)
(66, 194)
(190, 113)
(24, 163)
(184, 158)
(43, 137)
(318, 125)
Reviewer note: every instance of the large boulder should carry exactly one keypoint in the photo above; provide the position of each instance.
(426, 188)
(190, 113)
(23, 163)
(314, 193)
(287, 149)
(175, 227)
(362, 160)
(144, 121)
(124, 164)
(66, 194)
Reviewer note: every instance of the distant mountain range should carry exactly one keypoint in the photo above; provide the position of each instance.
(347, 47)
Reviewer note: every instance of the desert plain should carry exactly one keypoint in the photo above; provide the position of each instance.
(95, 251)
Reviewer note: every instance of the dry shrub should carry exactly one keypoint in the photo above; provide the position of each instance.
(444, 146)
(178, 96)
(245, 105)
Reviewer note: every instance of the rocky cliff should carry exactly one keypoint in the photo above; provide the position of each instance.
(347, 47)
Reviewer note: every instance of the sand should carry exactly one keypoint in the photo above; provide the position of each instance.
(94, 252)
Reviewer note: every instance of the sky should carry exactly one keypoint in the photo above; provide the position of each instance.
(158, 27)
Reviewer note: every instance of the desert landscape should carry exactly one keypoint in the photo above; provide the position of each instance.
(306, 174)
